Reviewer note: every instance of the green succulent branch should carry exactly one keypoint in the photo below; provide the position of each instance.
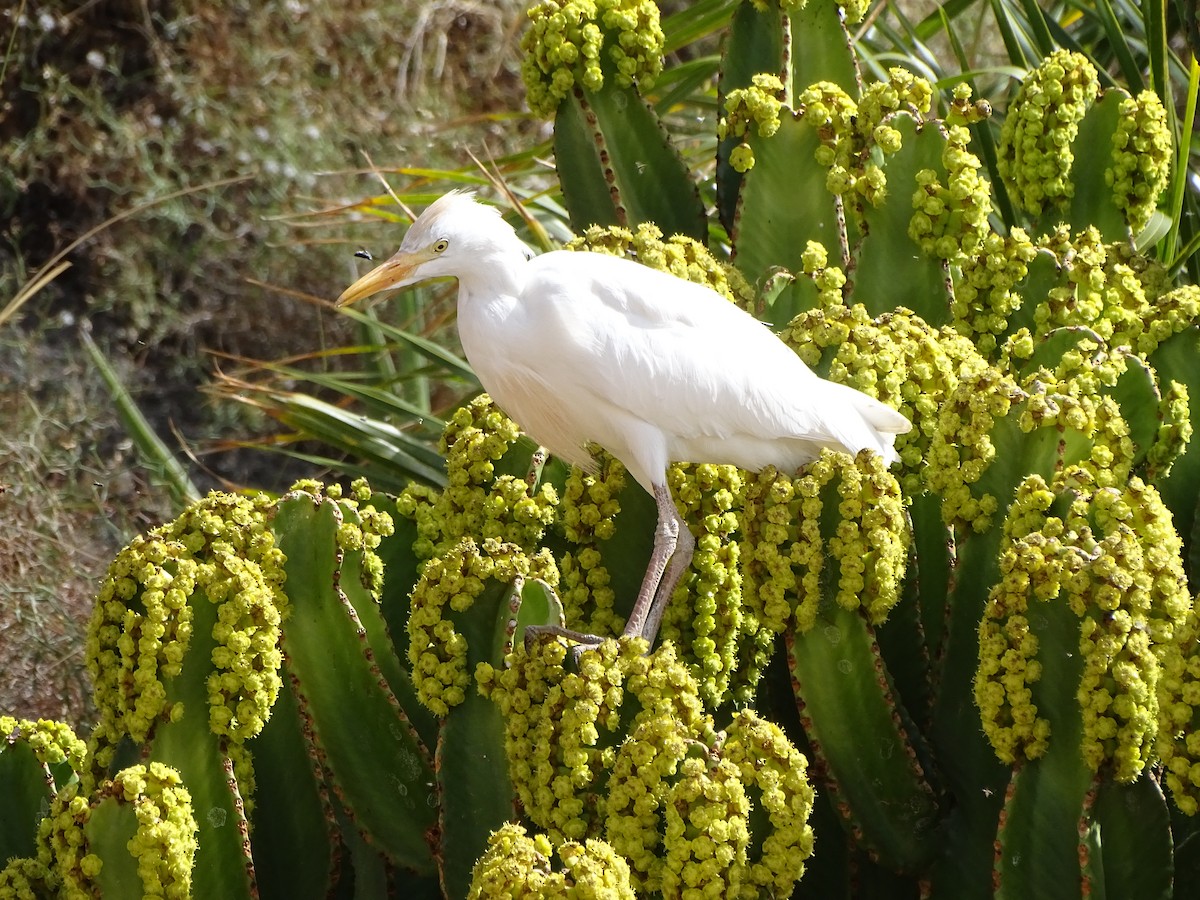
(582, 42)
(222, 550)
(1035, 154)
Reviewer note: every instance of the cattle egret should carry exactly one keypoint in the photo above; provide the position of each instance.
(584, 348)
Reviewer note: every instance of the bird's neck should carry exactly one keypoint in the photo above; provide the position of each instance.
(493, 274)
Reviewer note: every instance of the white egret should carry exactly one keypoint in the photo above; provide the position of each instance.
(584, 348)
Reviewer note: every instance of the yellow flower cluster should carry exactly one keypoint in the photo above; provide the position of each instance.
(26, 879)
(1179, 708)
(1142, 150)
(1034, 154)
(622, 750)
(52, 743)
(950, 221)
(830, 280)
(792, 553)
(448, 587)
(573, 43)
(850, 132)
(961, 446)
(965, 111)
(777, 774)
(898, 359)
(587, 513)
(751, 108)
(517, 865)
(220, 550)
(985, 295)
(707, 621)
(477, 502)
(163, 843)
(1112, 558)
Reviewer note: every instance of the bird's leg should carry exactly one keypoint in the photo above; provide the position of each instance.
(651, 601)
(680, 560)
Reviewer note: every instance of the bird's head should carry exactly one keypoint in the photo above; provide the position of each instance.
(448, 239)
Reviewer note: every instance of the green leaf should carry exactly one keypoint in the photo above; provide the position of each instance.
(783, 205)
(849, 711)
(26, 798)
(110, 827)
(891, 270)
(1040, 853)
(377, 763)
(476, 794)
(291, 809)
(1175, 360)
(223, 867)
(820, 48)
(1092, 202)
(616, 165)
(754, 44)
(1135, 833)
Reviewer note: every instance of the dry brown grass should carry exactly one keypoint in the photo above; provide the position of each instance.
(109, 104)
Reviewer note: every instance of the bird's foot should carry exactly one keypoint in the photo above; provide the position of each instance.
(582, 642)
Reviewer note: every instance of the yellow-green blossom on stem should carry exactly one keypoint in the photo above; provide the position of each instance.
(950, 221)
(777, 774)
(52, 743)
(961, 447)
(562, 727)
(448, 587)
(964, 111)
(897, 358)
(865, 543)
(706, 830)
(852, 134)
(830, 280)
(580, 43)
(1112, 558)
(834, 115)
(477, 503)
(1142, 151)
(706, 620)
(517, 865)
(587, 512)
(985, 294)
(26, 879)
(1178, 744)
(1031, 569)
(902, 92)
(1174, 431)
(62, 845)
(164, 843)
(220, 550)
(1034, 154)
(755, 108)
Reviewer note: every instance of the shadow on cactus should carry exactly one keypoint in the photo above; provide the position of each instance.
(967, 677)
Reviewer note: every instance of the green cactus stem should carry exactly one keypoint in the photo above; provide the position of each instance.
(377, 764)
(37, 759)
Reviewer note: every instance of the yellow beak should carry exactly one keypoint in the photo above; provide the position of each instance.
(382, 277)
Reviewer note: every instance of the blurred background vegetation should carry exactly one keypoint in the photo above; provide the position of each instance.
(263, 113)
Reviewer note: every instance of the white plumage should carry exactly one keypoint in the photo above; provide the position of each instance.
(584, 348)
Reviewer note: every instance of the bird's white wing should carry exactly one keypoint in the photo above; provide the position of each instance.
(681, 357)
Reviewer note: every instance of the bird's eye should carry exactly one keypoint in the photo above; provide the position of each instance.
(440, 246)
